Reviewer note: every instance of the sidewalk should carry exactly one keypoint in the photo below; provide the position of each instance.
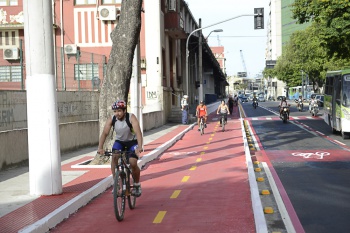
(21, 212)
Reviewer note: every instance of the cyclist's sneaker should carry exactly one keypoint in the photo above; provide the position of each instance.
(199, 129)
(137, 190)
(205, 125)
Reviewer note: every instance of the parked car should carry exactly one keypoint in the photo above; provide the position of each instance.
(261, 99)
(244, 99)
(320, 100)
(279, 98)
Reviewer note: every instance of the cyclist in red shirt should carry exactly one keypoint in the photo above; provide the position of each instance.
(201, 111)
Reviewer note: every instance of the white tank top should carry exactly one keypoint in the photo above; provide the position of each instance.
(122, 130)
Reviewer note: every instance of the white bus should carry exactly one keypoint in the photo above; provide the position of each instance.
(336, 101)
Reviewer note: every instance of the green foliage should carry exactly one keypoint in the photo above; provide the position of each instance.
(333, 19)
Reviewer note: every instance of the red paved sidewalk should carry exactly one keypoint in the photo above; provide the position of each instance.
(200, 184)
(42, 206)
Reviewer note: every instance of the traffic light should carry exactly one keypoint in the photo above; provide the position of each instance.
(197, 84)
(258, 18)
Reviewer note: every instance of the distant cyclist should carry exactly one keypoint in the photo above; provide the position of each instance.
(201, 111)
(128, 136)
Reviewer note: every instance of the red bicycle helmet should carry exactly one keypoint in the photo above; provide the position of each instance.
(119, 104)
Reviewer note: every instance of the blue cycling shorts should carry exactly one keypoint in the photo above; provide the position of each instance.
(126, 146)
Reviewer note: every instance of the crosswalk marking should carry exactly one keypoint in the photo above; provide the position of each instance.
(159, 217)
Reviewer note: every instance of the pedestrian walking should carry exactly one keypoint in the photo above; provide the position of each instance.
(184, 109)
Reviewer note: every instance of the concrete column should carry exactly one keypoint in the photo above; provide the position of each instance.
(43, 134)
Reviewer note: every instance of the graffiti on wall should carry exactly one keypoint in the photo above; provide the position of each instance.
(6, 110)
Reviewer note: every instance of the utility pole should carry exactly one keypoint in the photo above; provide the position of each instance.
(200, 64)
(45, 176)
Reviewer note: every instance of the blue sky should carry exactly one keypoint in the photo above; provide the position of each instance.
(238, 34)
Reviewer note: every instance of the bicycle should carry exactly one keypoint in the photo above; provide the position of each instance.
(123, 184)
(201, 125)
(222, 121)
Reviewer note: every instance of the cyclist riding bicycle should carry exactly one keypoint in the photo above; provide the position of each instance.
(126, 130)
(223, 109)
(201, 111)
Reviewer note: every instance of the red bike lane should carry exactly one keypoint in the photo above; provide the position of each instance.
(200, 184)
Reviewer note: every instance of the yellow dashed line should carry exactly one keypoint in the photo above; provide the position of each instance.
(202, 153)
(210, 139)
(185, 178)
(175, 194)
(212, 135)
(159, 217)
(193, 168)
(205, 147)
(199, 159)
(208, 142)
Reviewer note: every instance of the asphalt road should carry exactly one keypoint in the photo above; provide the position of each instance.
(311, 166)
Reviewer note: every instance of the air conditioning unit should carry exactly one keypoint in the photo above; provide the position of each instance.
(172, 5)
(70, 49)
(11, 53)
(108, 12)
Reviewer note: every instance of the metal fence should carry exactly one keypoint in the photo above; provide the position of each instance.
(75, 71)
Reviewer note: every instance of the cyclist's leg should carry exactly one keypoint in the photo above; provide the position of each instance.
(117, 146)
(135, 169)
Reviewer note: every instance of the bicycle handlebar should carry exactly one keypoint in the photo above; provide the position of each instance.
(110, 153)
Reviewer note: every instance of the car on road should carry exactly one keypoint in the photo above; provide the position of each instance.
(261, 99)
(280, 97)
(244, 99)
(320, 100)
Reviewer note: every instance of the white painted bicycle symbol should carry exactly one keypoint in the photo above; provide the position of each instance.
(319, 154)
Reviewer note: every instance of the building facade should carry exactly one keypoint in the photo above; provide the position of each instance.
(82, 46)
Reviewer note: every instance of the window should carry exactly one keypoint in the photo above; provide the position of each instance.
(111, 1)
(9, 38)
(10, 73)
(84, 2)
(85, 71)
(8, 2)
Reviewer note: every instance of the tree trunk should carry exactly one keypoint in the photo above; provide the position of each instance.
(116, 84)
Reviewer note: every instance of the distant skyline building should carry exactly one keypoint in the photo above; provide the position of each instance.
(289, 24)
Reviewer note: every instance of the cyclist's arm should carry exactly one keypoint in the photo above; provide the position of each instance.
(104, 135)
(136, 126)
(217, 111)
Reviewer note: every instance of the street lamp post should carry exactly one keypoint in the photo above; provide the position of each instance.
(187, 52)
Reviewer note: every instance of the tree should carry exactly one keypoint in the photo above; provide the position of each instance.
(116, 83)
(333, 18)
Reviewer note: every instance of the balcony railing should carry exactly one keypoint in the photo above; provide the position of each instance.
(174, 25)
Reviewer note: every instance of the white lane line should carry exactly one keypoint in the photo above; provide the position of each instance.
(339, 142)
(281, 207)
(319, 132)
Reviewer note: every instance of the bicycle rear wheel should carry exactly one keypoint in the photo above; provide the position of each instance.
(119, 195)
(130, 184)
(202, 128)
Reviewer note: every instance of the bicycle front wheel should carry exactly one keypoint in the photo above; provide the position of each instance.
(131, 196)
(119, 195)
(202, 129)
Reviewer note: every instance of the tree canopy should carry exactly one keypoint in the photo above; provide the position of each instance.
(333, 18)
